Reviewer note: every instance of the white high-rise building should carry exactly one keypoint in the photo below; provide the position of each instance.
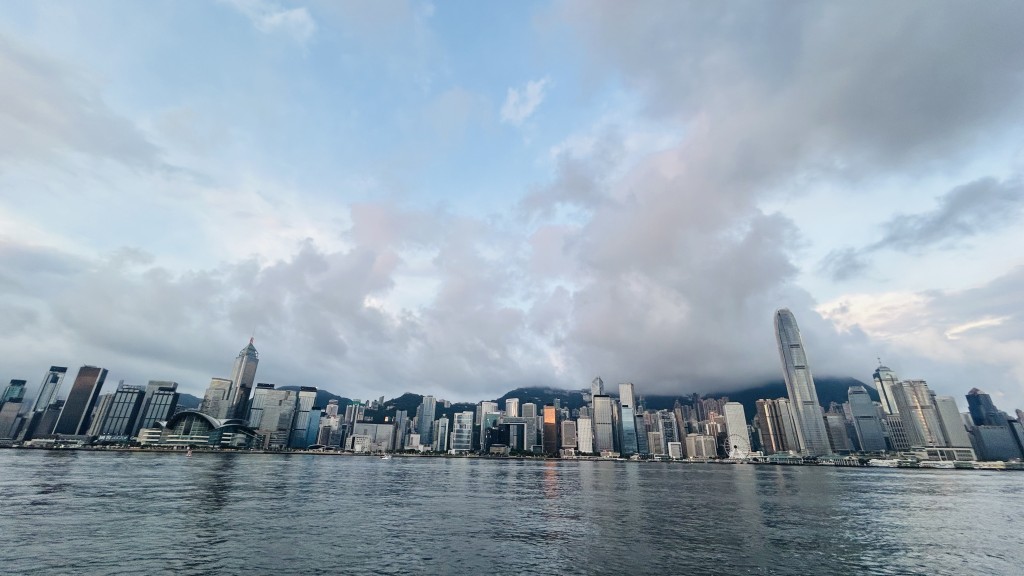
(585, 435)
(736, 430)
(462, 432)
(952, 425)
(604, 428)
(807, 413)
(512, 407)
(627, 396)
(916, 409)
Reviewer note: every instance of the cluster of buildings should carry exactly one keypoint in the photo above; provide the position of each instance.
(908, 419)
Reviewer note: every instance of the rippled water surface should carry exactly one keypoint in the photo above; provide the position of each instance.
(137, 513)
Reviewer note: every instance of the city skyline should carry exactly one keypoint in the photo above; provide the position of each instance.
(226, 402)
(458, 199)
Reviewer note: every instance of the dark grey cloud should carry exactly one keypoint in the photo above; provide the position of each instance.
(979, 207)
(843, 264)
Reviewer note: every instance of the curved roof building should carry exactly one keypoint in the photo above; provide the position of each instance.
(810, 423)
(191, 427)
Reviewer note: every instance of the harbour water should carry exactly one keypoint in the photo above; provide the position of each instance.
(78, 512)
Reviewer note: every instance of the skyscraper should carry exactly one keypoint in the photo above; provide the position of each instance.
(122, 413)
(870, 433)
(952, 426)
(916, 409)
(49, 388)
(425, 420)
(604, 428)
(14, 391)
(810, 424)
(628, 438)
(596, 387)
(775, 421)
(569, 434)
(440, 433)
(885, 382)
(158, 404)
(585, 435)
(627, 396)
(272, 415)
(983, 410)
(75, 417)
(301, 419)
(550, 430)
(512, 407)
(462, 432)
(736, 429)
(99, 414)
(217, 399)
(243, 374)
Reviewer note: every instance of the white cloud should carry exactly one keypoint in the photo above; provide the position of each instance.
(271, 18)
(521, 103)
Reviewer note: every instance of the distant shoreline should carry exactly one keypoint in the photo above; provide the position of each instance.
(984, 467)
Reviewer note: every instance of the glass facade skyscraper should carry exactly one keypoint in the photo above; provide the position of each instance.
(550, 429)
(158, 404)
(123, 411)
(604, 428)
(807, 414)
(49, 388)
(243, 375)
(425, 420)
(14, 391)
(76, 415)
(870, 433)
(628, 444)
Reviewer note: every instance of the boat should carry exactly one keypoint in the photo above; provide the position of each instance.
(883, 463)
(385, 456)
(188, 454)
(942, 464)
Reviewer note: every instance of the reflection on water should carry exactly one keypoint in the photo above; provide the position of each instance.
(130, 513)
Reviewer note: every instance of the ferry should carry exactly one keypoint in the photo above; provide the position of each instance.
(884, 462)
(940, 464)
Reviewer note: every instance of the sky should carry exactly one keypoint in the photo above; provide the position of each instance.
(460, 198)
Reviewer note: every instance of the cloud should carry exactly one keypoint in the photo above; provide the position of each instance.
(270, 18)
(970, 209)
(955, 339)
(521, 103)
(662, 267)
(976, 208)
(843, 263)
(49, 109)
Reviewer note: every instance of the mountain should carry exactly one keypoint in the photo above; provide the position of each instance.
(188, 402)
(322, 397)
(830, 389)
(540, 395)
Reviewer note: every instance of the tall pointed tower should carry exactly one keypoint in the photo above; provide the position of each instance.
(810, 425)
(243, 376)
